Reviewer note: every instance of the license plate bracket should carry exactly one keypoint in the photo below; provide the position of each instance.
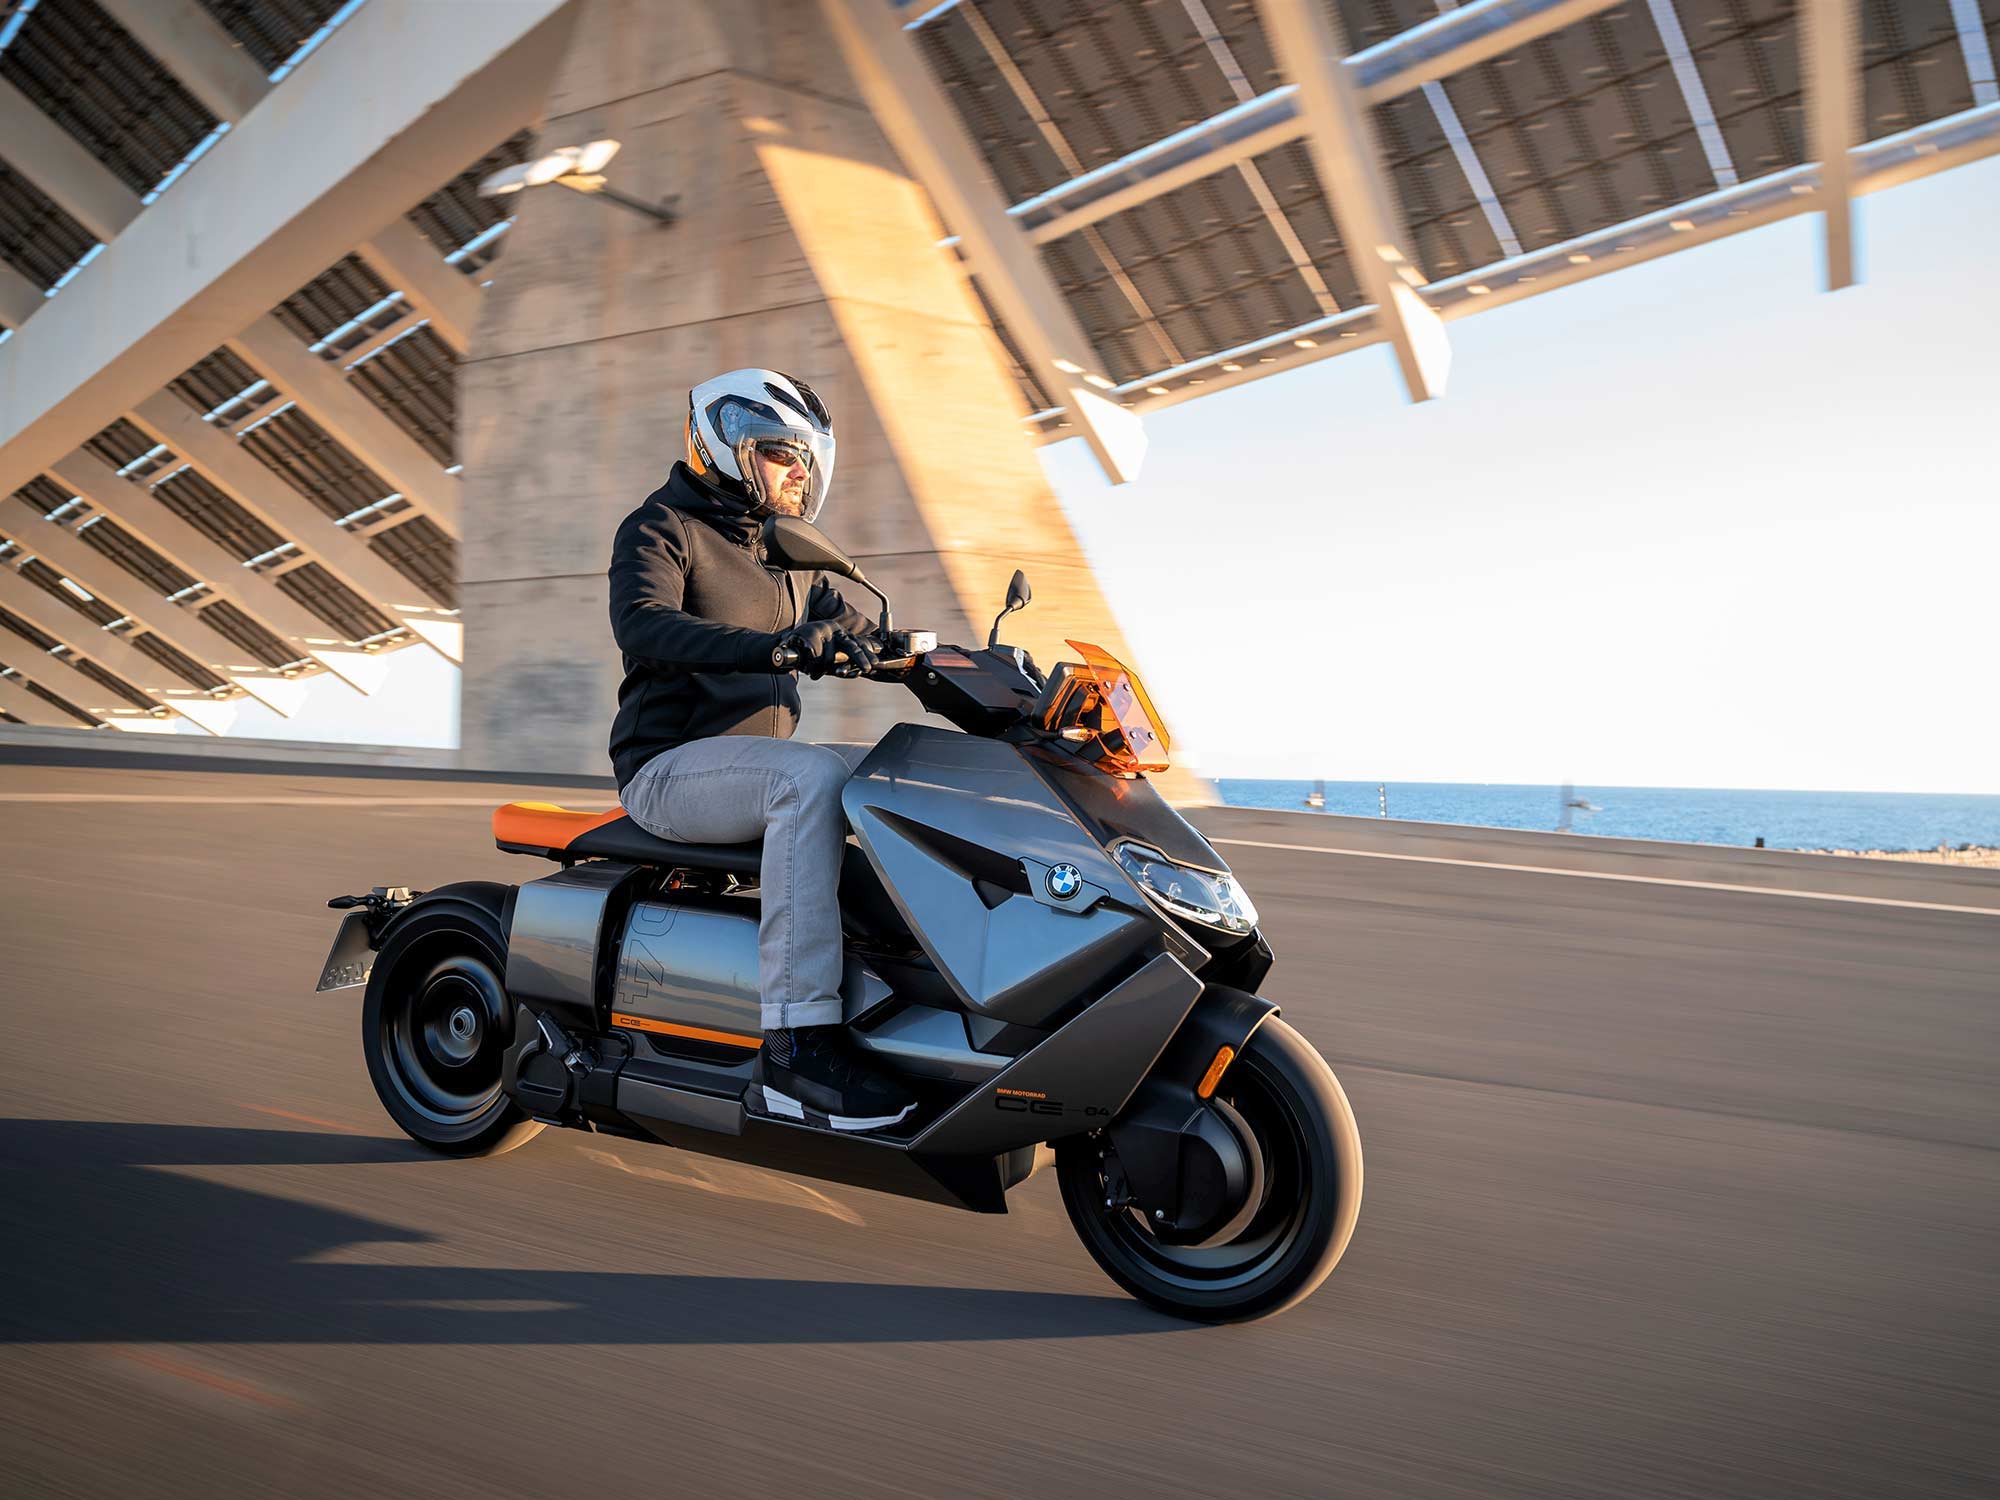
(351, 958)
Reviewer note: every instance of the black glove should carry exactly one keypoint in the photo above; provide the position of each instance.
(819, 641)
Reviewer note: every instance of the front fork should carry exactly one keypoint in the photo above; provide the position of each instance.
(1176, 1153)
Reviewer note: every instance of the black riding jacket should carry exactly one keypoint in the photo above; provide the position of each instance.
(696, 612)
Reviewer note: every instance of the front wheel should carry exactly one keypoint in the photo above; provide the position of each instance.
(1275, 1252)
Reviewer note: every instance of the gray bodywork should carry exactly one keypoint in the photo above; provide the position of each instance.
(964, 833)
(1065, 984)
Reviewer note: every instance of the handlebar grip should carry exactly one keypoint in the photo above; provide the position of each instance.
(790, 658)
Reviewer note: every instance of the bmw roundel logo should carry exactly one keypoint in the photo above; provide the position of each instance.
(1064, 881)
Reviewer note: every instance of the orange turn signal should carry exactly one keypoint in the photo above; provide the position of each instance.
(1216, 1069)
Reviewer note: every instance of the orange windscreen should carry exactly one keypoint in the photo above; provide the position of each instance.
(1127, 724)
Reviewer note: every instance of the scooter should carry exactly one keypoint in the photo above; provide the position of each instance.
(1051, 958)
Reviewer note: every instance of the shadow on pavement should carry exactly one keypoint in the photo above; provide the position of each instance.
(102, 1246)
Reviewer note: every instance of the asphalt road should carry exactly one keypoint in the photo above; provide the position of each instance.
(1674, 1188)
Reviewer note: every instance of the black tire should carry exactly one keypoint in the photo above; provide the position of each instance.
(436, 1025)
(1311, 1195)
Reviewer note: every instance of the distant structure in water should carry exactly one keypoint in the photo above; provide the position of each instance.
(1316, 798)
(1571, 803)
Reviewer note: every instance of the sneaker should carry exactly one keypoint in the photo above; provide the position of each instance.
(813, 1074)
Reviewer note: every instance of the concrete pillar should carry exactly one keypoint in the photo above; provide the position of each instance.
(802, 244)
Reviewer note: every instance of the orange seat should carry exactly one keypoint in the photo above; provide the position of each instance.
(542, 826)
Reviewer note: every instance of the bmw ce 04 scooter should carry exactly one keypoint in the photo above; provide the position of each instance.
(1050, 957)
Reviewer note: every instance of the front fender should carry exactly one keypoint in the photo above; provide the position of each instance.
(1176, 1157)
(1222, 1017)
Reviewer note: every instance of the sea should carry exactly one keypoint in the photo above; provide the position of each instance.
(1695, 815)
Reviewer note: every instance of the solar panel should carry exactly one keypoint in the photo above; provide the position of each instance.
(50, 698)
(109, 682)
(220, 380)
(316, 464)
(85, 72)
(178, 662)
(190, 496)
(333, 601)
(135, 557)
(120, 444)
(36, 237)
(336, 297)
(271, 30)
(27, 632)
(455, 214)
(49, 581)
(240, 630)
(414, 381)
(422, 552)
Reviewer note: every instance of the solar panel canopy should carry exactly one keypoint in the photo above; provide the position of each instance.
(1606, 114)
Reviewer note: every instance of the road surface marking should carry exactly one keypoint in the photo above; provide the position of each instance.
(1691, 885)
(241, 1390)
(270, 801)
(286, 1114)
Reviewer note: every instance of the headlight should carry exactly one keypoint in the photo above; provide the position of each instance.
(1199, 895)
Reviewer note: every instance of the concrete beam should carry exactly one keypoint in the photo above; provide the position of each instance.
(60, 677)
(110, 651)
(148, 519)
(224, 461)
(49, 157)
(1307, 45)
(402, 96)
(183, 629)
(926, 132)
(412, 265)
(25, 706)
(336, 405)
(190, 44)
(20, 298)
(1831, 70)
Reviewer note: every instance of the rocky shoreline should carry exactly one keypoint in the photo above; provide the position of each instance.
(1973, 856)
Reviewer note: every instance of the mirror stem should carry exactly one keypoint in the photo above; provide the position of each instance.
(888, 622)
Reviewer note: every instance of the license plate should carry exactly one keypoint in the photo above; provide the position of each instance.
(352, 956)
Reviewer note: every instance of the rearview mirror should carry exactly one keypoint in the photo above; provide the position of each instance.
(801, 547)
(1018, 595)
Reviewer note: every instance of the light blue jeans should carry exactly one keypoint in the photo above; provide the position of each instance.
(735, 788)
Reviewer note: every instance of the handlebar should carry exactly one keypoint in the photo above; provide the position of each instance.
(790, 659)
(908, 644)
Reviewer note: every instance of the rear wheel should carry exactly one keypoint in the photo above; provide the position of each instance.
(1277, 1249)
(435, 1029)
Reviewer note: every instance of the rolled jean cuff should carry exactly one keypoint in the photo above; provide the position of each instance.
(801, 1013)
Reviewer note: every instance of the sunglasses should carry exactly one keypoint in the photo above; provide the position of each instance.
(784, 453)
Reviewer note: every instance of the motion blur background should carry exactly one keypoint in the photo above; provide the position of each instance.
(1592, 398)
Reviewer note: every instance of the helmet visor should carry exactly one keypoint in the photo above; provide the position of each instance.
(786, 469)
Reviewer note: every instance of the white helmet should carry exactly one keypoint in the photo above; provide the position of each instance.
(734, 416)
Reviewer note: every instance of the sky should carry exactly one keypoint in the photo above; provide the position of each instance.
(1694, 523)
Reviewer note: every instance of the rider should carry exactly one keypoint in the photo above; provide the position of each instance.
(702, 743)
